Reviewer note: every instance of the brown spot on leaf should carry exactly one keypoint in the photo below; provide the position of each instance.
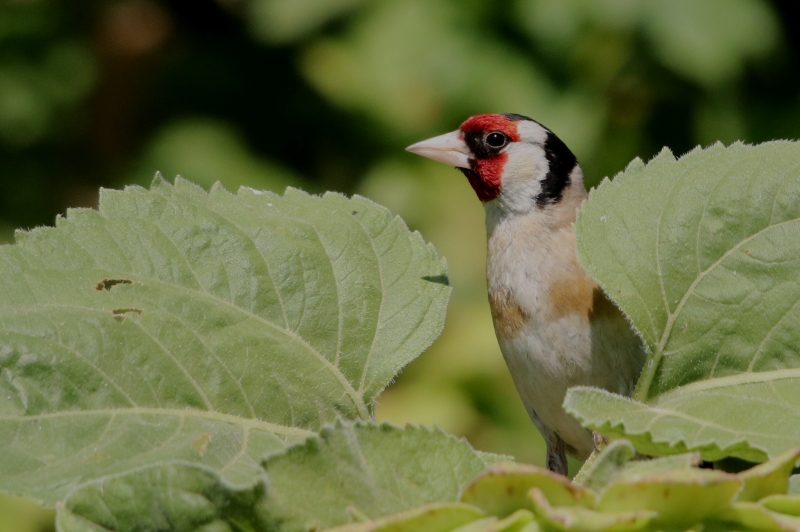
(96, 456)
(201, 443)
(107, 284)
(507, 315)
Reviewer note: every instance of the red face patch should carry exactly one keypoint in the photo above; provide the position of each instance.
(486, 172)
(487, 123)
(485, 176)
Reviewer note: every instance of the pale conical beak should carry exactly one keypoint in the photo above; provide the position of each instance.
(449, 149)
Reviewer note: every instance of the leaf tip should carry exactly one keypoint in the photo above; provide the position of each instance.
(635, 165)
(665, 156)
(158, 181)
(219, 188)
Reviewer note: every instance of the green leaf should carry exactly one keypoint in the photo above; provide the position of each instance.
(445, 517)
(503, 489)
(674, 495)
(614, 463)
(794, 485)
(782, 503)
(167, 497)
(519, 521)
(436, 517)
(208, 327)
(668, 427)
(586, 519)
(703, 255)
(606, 466)
(653, 467)
(753, 516)
(769, 478)
(367, 470)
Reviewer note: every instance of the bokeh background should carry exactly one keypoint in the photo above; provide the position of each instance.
(325, 94)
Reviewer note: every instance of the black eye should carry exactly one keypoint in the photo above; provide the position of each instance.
(495, 139)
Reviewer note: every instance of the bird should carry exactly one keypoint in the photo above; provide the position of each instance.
(555, 326)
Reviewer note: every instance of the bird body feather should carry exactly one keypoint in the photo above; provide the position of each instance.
(556, 328)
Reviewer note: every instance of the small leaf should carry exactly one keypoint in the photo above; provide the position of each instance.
(675, 495)
(614, 463)
(175, 497)
(587, 520)
(652, 467)
(519, 521)
(769, 478)
(377, 469)
(753, 516)
(436, 517)
(503, 489)
(607, 465)
(782, 503)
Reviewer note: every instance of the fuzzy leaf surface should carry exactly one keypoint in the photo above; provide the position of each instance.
(173, 323)
(703, 254)
(176, 497)
(367, 470)
(435, 517)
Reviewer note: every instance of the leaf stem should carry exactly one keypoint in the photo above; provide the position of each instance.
(646, 379)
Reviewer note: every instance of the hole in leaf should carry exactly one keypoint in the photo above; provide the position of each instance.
(441, 279)
(120, 314)
(107, 284)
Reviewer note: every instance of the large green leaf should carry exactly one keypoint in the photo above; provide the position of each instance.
(703, 255)
(367, 471)
(210, 327)
(172, 497)
(350, 472)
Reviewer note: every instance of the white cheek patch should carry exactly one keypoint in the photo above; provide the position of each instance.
(523, 172)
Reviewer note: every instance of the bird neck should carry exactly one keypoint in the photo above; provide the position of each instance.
(543, 220)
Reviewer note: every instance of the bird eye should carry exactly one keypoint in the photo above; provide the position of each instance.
(495, 139)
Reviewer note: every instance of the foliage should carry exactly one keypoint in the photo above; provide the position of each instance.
(702, 254)
(173, 324)
(367, 471)
(665, 493)
(230, 349)
(352, 471)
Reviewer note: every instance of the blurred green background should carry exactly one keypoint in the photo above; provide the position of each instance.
(325, 94)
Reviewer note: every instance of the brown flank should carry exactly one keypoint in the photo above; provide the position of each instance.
(508, 317)
(580, 295)
(572, 295)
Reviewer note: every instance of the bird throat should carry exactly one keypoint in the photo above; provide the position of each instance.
(485, 176)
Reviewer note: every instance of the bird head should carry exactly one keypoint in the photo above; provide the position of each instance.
(507, 157)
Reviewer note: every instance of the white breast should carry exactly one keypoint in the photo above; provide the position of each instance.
(555, 327)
